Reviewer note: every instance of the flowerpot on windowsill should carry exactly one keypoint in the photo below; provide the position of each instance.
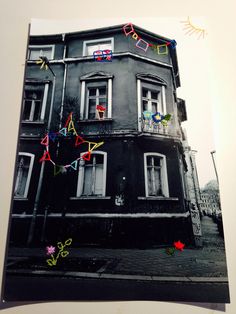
(100, 114)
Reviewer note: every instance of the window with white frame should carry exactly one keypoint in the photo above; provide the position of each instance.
(35, 52)
(34, 103)
(96, 96)
(151, 95)
(92, 175)
(24, 170)
(156, 182)
(90, 46)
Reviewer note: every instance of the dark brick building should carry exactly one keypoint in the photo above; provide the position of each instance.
(132, 191)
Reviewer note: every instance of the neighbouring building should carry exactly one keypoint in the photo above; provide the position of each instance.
(210, 204)
(193, 194)
(131, 191)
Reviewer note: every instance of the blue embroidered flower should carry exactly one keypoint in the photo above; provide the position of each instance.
(157, 117)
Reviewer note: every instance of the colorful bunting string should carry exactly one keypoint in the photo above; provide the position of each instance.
(162, 49)
(68, 129)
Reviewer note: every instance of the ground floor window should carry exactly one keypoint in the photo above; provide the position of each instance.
(92, 175)
(24, 170)
(156, 183)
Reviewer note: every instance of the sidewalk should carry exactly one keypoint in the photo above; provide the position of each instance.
(207, 262)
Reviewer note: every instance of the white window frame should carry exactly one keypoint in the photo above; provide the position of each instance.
(97, 102)
(80, 183)
(32, 156)
(150, 101)
(164, 177)
(41, 47)
(94, 41)
(83, 99)
(140, 102)
(43, 107)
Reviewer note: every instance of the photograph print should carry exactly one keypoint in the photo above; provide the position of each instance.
(116, 192)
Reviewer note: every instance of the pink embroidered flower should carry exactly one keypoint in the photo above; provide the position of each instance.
(50, 250)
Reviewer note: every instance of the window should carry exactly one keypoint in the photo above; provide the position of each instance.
(92, 175)
(156, 183)
(151, 97)
(96, 96)
(90, 46)
(24, 169)
(35, 52)
(151, 100)
(34, 103)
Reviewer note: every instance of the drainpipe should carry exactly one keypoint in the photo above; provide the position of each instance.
(60, 124)
(64, 82)
(39, 188)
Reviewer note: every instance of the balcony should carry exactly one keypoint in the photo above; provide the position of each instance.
(148, 126)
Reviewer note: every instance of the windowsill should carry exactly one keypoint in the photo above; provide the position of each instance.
(18, 198)
(157, 198)
(32, 122)
(80, 198)
(95, 120)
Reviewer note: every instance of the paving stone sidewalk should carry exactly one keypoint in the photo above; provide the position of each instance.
(189, 262)
(208, 261)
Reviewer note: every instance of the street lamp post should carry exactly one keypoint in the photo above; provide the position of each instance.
(213, 159)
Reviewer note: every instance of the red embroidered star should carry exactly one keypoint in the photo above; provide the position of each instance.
(179, 245)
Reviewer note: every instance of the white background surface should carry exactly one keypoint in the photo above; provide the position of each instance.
(14, 19)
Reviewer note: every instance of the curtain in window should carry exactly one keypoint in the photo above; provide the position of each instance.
(154, 176)
(94, 47)
(93, 176)
(32, 104)
(36, 53)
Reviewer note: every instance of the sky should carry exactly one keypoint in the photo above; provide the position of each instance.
(194, 67)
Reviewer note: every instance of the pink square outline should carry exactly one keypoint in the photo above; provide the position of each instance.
(132, 29)
(141, 47)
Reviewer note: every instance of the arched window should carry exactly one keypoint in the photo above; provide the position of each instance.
(24, 170)
(156, 181)
(92, 175)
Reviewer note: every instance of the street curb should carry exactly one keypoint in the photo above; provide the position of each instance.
(118, 276)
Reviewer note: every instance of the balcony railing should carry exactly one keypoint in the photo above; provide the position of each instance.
(157, 128)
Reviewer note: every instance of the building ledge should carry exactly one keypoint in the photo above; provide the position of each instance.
(95, 120)
(110, 215)
(33, 122)
(82, 198)
(20, 198)
(157, 198)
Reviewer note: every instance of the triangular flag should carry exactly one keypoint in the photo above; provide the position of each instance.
(68, 119)
(52, 136)
(74, 164)
(86, 156)
(45, 140)
(94, 146)
(71, 127)
(58, 169)
(79, 140)
(63, 131)
(46, 156)
(97, 145)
